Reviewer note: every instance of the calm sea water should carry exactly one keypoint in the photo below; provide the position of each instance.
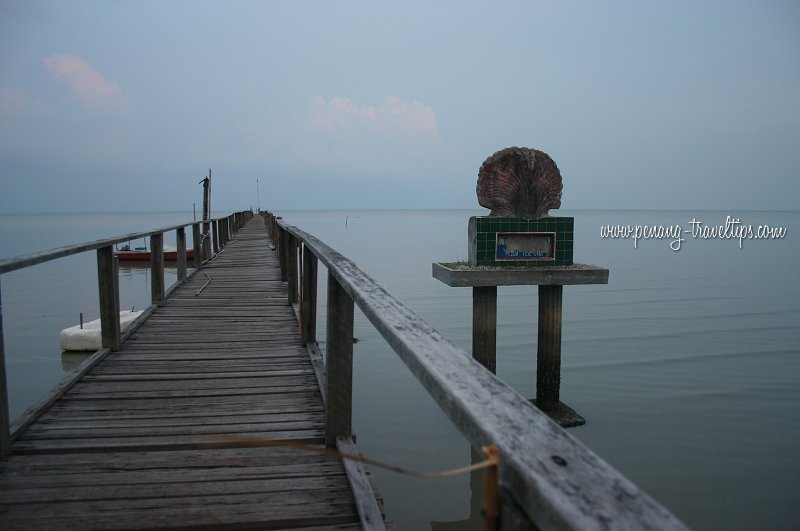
(686, 365)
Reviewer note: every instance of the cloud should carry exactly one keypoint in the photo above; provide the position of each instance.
(393, 116)
(86, 84)
(338, 139)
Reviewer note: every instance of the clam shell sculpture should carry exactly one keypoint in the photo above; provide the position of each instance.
(519, 182)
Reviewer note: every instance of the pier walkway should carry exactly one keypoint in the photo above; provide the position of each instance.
(151, 437)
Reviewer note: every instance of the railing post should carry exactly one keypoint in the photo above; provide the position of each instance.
(5, 420)
(180, 237)
(283, 247)
(215, 228)
(107, 283)
(157, 268)
(206, 240)
(225, 226)
(292, 266)
(339, 362)
(198, 259)
(308, 307)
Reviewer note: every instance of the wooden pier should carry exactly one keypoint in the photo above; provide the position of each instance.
(157, 429)
(152, 436)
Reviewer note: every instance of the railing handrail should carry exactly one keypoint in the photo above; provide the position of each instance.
(22, 261)
(556, 480)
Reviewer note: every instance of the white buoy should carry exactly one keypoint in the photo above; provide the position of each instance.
(86, 337)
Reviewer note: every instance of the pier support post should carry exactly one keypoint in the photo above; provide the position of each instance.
(291, 265)
(224, 231)
(5, 421)
(548, 353)
(551, 282)
(308, 292)
(339, 361)
(109, 298)
(215, 228)
(157, 269)
(484, 326)
(283, 250)
(180, 238)
(196, 242)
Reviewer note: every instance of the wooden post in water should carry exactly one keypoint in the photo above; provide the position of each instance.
(109, 298)
(548, 352)
(157, 268)
(339, 361)
(308, 308)
(206, 182)
(551, 282)
(198, 259)
(5, 421)
(180, 237)
(484, 326)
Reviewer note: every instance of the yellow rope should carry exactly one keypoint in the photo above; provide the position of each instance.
(249, 442)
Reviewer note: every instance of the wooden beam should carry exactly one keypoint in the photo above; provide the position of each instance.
(215, 230)
(198, 248)
(484, 326)
(180, 238)
(309, 294)
(109, 298)
(366, 502)
(339, 392)
(548, 350)
(291, 265)
(157, 268)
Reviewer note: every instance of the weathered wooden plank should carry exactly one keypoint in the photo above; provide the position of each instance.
(309, 507)
(55, 421)
(339, 390)
(174, 488)
(484, 326)
(548, 348)
(237, 457)
(366, 502)
(109, 298)
(157, 269)
(158, 410)
(66, 431)
(176, 442)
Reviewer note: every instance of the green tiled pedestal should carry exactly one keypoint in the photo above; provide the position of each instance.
(484, 232)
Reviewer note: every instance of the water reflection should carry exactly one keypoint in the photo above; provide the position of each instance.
(71, 360)
(476, 488)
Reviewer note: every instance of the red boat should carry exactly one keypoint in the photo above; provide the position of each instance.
(143, 255)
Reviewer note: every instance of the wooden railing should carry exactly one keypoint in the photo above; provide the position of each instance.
(548, 479)
(221, 231)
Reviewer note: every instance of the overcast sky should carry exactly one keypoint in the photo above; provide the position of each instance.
(125, 105)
